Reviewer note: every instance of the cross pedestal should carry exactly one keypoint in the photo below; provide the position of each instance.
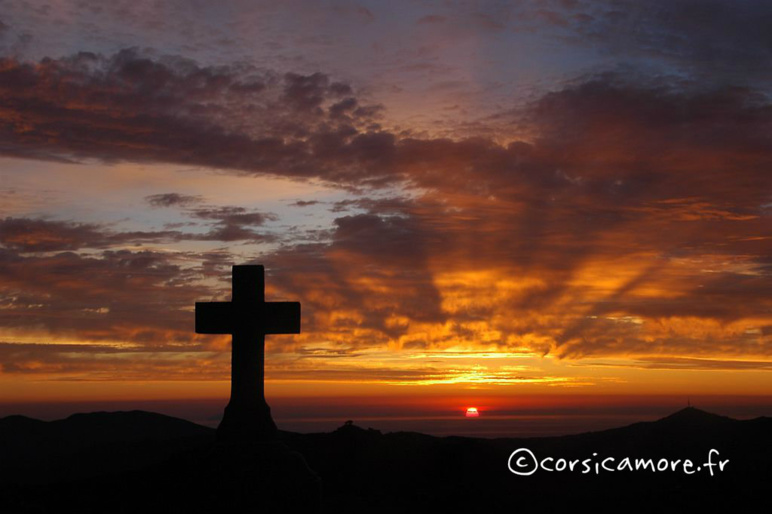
(248, 317)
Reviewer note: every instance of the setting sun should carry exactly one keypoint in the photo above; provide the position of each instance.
(471, 412)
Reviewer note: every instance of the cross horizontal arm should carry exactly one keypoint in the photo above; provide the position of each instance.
(281, 318)
(270, 318)
(214, 318)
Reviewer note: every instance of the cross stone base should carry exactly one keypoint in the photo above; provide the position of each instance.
(245, 423)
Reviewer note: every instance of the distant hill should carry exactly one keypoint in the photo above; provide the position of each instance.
(98, 428)
(85, 445)
(125, 461)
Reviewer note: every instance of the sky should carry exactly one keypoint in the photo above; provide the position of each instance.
(522, 206)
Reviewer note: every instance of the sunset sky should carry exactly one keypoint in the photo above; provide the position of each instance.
(520, 205)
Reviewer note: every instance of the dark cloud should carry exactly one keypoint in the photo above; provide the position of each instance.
(172, 200)
(234, 224)
(307, 93)
(142, 297)
(233, 216)
(171, 110)
(136, 108)
(41, 235)
(230, 223)
(37, 235)
(644, 117)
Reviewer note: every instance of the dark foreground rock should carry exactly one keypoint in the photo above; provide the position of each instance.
(143, 462)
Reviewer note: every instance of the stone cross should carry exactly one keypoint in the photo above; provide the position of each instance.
(248, 317)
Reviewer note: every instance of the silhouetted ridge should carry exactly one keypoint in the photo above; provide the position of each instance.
(33, 450)
(82, 430)
(693, 417)
(54, 467)
(128, 426)
(18, 422)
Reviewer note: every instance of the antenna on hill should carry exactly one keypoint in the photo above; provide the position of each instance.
(688, 402)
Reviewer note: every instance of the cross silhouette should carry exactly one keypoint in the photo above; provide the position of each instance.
(248, 317)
